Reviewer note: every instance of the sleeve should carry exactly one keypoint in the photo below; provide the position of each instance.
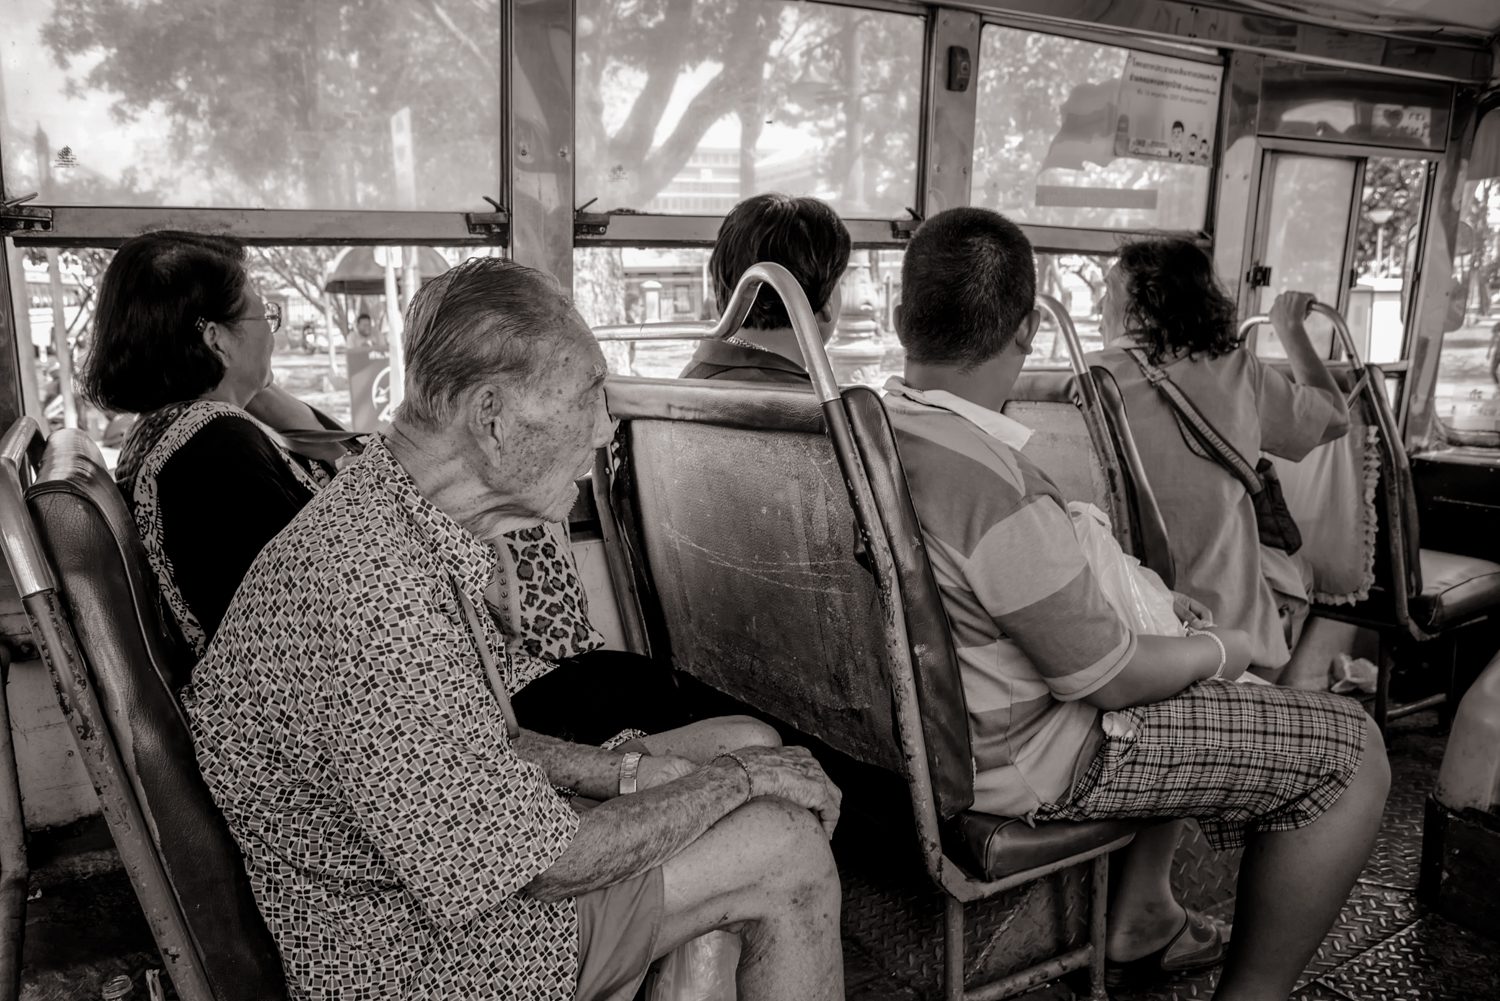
(1293, 418)
(223, 495)
(420, 749)
(1031, 576)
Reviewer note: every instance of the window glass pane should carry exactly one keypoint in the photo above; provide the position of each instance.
(1044, 145)
(617, 289)
(252, 103)
(318, 289)
(1312, 101)
(687, 108)
(1467, 396)
(1077, 281)
(1303, 245)
(1385, 254)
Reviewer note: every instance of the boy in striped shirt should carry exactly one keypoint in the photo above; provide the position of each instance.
(1072, 716)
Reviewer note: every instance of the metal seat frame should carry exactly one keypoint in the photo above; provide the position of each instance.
(958, 885)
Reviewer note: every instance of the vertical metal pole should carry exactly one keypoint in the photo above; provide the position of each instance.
(14, 872)
(947, 154)
(541, 142)
(60, 341)
(393, 318)
(953, 948)
(1237, 191)
(19, 393)
(1098, 914)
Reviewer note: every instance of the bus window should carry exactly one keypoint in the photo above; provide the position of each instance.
(1384, 275)
(618, 289)
(689, 115)
(1077, 281)
(1045, 139)
(254, 104)
(1467, 395)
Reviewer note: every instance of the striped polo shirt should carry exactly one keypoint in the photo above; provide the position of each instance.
(1034, 633)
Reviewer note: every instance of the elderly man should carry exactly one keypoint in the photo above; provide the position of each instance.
(404, 838)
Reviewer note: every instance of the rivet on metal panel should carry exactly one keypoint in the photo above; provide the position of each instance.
(562, 152)
(523, 150)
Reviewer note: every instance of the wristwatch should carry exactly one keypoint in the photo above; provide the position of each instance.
(630, 765)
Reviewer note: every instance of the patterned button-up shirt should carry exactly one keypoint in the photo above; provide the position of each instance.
(345, 727)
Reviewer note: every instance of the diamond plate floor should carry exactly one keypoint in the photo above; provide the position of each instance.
(1383, 946)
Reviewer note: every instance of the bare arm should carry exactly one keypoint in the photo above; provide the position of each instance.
(629, 835)
(1288, 314)
(1164, 665)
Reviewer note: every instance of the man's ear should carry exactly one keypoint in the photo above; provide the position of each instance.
(898, 316)
(1026, 332)
(483, 410)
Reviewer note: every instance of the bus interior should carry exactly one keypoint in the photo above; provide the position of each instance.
(1347, 148)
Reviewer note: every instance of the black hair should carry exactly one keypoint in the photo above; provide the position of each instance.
(1173, 300)
(364, 316)
(803, 235)
(968, 282)
(1178, 125)
(148, 349)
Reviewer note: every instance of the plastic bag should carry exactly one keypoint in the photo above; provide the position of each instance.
(1136, 593)
(1347, 675)
(702, 969)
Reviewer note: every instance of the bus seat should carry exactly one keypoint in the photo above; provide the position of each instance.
(729, 504)
(1419, 595)
(116, 654)
(1092, 457)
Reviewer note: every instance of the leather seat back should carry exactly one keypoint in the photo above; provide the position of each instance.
(135, 667)
(1089, 452)
(747, 555)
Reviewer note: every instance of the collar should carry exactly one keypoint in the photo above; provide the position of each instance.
(469, 559)
(722, 353)
(993, 423)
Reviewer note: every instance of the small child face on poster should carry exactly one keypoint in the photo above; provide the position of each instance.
(1174, 144)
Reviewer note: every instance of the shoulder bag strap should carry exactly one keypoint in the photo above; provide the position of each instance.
(1214, 443)
(487, 658)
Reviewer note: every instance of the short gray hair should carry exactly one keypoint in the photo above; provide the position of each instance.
(487, 319)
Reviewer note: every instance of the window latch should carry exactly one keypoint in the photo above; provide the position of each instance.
(18, 217)
(587, 223)
(495, 225)
(1259, 276)
(902, 229)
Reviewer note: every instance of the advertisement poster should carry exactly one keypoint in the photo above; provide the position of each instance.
(369, 389)
(1168, 109)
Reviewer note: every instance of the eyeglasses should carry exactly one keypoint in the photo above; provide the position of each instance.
(272, 316)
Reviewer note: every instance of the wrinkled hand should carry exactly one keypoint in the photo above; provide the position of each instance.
(658, 770)
(1191, 612)
(1290, 309)
(792, 774)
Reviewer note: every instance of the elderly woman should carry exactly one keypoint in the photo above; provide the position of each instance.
(1162, 298)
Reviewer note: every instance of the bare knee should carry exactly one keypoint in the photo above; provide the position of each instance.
(785, 852)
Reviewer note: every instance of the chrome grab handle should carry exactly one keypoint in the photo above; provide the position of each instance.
(1340, 329)
(1069, 332)
(20, 452)
(804, 323)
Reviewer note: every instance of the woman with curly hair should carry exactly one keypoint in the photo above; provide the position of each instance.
(1164, 310)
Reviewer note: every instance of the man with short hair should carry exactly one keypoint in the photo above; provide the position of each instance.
(807, 238)
(1074, 717)
(403, 836)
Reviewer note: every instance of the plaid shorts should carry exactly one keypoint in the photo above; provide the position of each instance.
(1237, 758)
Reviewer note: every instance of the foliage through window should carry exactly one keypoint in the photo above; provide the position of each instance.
(1045, 138)
(1467, 395)
(685, 108)
(380, 105)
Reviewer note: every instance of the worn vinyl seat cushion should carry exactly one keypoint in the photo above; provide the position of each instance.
(112, 599)
(1455, 589)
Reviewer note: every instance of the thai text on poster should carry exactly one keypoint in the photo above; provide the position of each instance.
(1168, 109)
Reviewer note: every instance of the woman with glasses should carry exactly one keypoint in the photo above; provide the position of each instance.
(183, 338)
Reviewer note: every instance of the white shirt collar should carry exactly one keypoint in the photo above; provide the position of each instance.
(993, 423)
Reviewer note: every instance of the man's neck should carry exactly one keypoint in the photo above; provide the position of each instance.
(444, 476)
(781, 341)
(988, 385)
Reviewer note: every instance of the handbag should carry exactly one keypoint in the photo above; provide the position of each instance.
(1273, 519)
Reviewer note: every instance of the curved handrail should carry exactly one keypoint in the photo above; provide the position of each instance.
(804, 323)
(1069, 332)
(20, 453)
(1340, 328)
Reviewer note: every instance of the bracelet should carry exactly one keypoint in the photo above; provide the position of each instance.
(749, 781)
(630, 765)
(1218, 674)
